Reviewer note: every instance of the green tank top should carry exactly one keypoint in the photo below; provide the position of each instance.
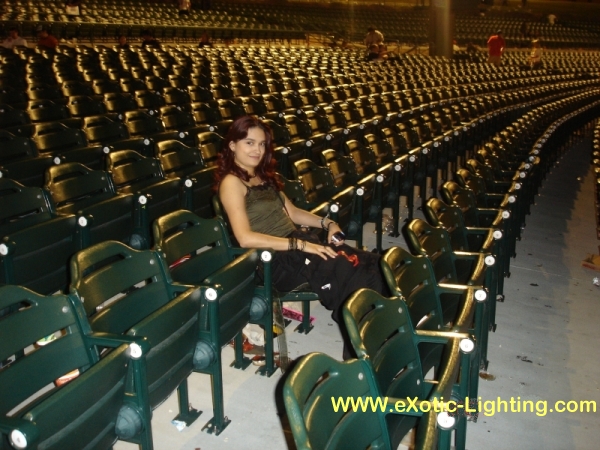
(264, 207)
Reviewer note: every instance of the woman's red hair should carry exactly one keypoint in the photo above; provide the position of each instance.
(226, 164)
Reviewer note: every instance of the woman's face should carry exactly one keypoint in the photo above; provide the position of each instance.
(248, 152)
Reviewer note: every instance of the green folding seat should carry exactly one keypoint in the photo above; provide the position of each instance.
(314, 423)
(382, 335)
(10, 116)
(102, 129)
(119, 102)
(481, 209)
(176, 96)
(128, 292)
(346, 202)
(91, 194)
(57, 137)
(84, 106)
(106, 399)
(46, 111)
(133, 173)
(472, 239)
(149, 99)
(74, 88)
(199, 252)
(179, 160)
(458, 267)
(438, 306)
(22, 207)
(42, 91)
(36, 243)
(131, 85)
(209, 144)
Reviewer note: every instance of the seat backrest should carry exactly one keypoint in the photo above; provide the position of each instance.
(177, 159)
(12, 117)
(140, 123)
(342, 168)
(15, 148)
(22, 206)
(450, 218)
(97, 393)
(46, 110)
(174, 118)
(103, 130)
(411, 277)
(109, 269)
(381, 147)
(73, 186)
(209, 144)
(36, 248)
(132, 172)
(307, 393)
(381, 330)
(317, 182)
(433, 242)
(56, 137)
(363, 156)
(83, 106)
(463, 197)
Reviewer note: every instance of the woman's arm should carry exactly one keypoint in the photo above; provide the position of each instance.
(303, 217)
(232, 193)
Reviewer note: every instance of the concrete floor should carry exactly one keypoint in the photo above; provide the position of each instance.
(545, 347)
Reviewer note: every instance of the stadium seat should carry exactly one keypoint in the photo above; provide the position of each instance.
(133, 173)
(149, 305)
(179, 160)
(90, 194)
(93, 401)
(382, 335)
(200, 253)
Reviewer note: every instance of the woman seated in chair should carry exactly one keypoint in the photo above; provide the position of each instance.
(261, 216)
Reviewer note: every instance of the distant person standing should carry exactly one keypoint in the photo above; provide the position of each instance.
(13, 39)
(496, 45)
(373, 37)
(552, 18)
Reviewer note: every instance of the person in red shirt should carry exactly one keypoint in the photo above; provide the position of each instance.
(46, 40)
(496, 45)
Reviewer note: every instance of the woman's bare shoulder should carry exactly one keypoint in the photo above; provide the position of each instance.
(231, 184)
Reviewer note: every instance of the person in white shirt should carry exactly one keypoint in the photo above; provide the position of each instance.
(373, 37)
(13, 39)
(552, 19)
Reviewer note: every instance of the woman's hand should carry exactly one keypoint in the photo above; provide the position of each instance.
(334, 228)
(322, 250)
